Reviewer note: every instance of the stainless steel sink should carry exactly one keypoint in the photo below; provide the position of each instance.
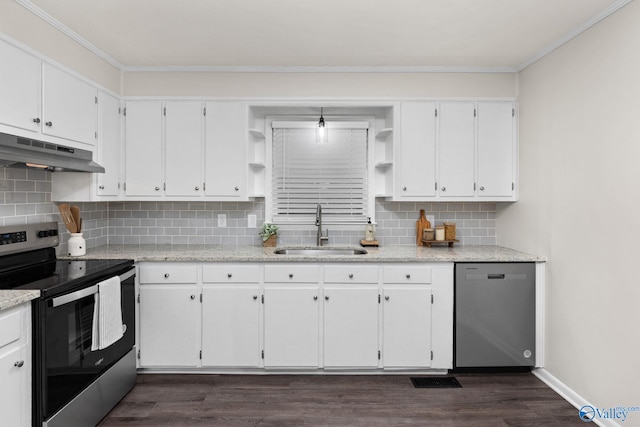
(320, 251)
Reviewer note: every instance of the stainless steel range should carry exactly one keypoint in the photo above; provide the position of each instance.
(83, 359)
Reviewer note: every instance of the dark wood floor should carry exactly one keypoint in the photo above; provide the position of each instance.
(485, 400)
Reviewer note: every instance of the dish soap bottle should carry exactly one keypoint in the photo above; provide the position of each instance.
(369, 232)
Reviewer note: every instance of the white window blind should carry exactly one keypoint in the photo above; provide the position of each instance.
(331, 173)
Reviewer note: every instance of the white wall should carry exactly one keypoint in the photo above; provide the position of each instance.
(580, 198)
(26, 28)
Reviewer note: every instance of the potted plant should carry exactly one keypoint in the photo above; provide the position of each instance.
(269, 233)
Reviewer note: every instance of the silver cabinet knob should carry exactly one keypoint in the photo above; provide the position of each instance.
(386, 298)
(19, 364)
(404, 188)
(315, 297)
(36, 120)
(157, 188)
(193, 297)
(326, 298)
(443, 189)
(166, 275)
(350, 275)
(101, 187)
(290, 275)
(229, 275)
(408, 276)
(50, 124)
(237, 188)
(197, 188)
(255, 297)
(481, 188)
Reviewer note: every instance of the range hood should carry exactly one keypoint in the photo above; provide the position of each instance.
(24, 152)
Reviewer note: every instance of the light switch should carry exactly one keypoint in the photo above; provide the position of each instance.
(222, 220)
(252, 221)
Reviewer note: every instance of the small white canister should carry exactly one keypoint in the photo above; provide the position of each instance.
(440, 232)
(77, 245)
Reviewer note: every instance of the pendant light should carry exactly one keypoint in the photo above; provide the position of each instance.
(321, 134)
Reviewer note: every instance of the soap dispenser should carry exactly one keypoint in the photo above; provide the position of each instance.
(369, 232)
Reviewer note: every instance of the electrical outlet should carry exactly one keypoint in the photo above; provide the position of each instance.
(432, 220)
(222, 220)
(252, 221)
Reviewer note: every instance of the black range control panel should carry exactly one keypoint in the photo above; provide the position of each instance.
(21, 236)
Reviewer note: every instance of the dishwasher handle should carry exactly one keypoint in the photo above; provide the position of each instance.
(496, 276)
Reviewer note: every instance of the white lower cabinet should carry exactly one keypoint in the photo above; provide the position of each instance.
(350, 326)
(296, 316)
(15, 365)
(291, 326)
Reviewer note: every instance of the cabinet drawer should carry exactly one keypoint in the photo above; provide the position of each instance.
(351, 274)
(291, 274)
(168, 273)
(406, 274)
(10, 328)
(231, 274)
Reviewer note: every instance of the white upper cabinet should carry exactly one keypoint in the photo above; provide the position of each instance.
(143, 148)
(496, 150)
(416, 164)
(109, 149)
(69, 106)
(184, 138)
(456, 139)
(19, 88)
(227, 165)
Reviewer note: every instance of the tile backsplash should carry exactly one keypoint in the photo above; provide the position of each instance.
(26, 198)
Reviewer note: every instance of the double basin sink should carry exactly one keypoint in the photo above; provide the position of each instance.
(320, 251)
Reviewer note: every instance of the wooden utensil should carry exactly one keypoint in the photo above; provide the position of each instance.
(75, 212)
(421, 224)
(67, 218)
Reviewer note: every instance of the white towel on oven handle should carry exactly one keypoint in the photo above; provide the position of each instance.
(107, 315)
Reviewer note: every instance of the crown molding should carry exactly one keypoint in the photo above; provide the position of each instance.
(574, 33)
(69, 32)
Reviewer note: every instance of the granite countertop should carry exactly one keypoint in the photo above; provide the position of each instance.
(207, 253)
(11, 297)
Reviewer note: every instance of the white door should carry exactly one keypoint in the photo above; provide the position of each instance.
(406, 334)
(108, 152)
(416, 152)
(69, 107)
(350, 327)
(456, 145)
(169, 325)
(291, 326)
(15, 380)
(183, 147)
(226, 162)
(143, 148)
(231, 326)
(19, 88)
(495, 149)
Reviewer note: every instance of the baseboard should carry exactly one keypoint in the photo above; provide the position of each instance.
(570, 396)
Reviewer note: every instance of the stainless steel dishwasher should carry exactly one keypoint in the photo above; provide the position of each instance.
(494, 315)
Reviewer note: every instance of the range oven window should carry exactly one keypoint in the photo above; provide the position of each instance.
(70, 364)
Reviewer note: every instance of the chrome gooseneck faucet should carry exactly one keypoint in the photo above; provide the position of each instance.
(319, 237)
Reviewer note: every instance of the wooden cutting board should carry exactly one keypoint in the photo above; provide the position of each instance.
(421, 224)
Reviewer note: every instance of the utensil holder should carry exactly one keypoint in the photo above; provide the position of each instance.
(76, 245)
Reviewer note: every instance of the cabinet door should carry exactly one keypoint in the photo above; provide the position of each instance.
(291, 326)
(495, 149)
(183, 148)
(15, 392)
(350, 327)
(143, 149)
(108, 152)
(226, 163)
(231, 326)
(456, 145)
(19, 88)
(406, 327)
(169, 325)
(69, 106)
(416, 164)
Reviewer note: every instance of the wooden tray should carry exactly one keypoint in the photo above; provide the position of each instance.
(428, 243)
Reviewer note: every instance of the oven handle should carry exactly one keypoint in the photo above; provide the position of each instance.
(83, 293)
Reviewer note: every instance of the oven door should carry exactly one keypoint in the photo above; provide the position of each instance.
(69, 363)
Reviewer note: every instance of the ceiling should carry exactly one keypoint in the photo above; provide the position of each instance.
(491, 35)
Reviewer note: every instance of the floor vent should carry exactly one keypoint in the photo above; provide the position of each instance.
(435, 382)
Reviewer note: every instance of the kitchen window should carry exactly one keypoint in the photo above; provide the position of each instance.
(307, 171)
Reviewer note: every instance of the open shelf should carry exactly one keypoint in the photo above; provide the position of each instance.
(256, 132)
(383, 164)
(384, 132)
